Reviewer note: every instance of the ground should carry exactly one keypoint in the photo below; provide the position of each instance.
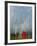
(15, 37)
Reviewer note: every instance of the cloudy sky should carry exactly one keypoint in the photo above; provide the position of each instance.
(20, 11)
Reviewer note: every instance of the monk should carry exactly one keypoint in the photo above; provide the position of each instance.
(17, 35)
(23, 35)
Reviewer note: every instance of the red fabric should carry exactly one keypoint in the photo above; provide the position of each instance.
(23, 35)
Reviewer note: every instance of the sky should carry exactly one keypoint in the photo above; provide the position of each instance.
(20, 11)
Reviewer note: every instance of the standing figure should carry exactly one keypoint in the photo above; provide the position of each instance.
(24, 32)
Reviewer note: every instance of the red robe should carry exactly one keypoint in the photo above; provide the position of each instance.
(23, 35)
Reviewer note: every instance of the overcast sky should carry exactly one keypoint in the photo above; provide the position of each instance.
(20, 11)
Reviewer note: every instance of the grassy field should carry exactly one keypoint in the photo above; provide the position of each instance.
(14, 37)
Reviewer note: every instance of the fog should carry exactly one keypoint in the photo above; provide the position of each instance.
(15, 13)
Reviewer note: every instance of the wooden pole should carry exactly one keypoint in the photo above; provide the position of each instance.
(24, 23)
(29, 27)
(29, 23)
(20, 26)
(16, 28)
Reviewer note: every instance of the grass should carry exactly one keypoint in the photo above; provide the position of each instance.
(14, 37)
